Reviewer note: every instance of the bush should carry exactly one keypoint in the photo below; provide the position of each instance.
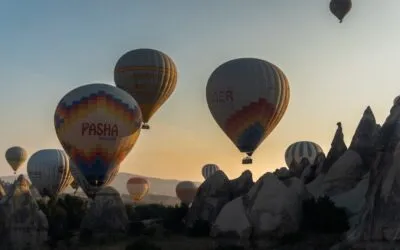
(201, 228)
(323, 216)
(142, 244)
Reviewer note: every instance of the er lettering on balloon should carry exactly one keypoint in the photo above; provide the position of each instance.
(222, 96)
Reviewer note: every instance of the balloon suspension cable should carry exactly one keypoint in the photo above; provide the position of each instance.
(145, 126)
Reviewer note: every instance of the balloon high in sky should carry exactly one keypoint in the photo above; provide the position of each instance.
(97, 125)
(247, 98)
(150, 76)
(340, 8)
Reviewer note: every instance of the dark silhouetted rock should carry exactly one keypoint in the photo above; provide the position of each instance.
(271, 210)
(211, 196)
(107, 213)
(242, 184)
(365, 136)
(25, 225)
(338, 147)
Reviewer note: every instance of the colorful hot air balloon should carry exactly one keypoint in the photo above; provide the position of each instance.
(137, 187)
(186, 191)
(297, 151)
(49, 171)
(150, 76)
(16, 156)
(340, 8)
(97, 125)
(247, 98)
(208, 170)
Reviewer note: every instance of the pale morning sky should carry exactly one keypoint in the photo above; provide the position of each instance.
(335, 70)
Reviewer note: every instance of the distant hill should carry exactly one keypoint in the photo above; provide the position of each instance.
(161, 190)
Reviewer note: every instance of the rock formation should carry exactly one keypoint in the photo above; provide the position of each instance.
(211, 196)
(25, 225)
(107, 213)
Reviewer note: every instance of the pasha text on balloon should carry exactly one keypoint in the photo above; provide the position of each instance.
(222, 96)
(99, 129)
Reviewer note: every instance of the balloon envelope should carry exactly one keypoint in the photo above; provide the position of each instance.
(137, 187)
(74, 184)
(16, 156)
(97, 125)
(247, 98)
(297, 151)
(340, 8)
(49, 171)
(186, 191)
(149, 75)
(208, 170)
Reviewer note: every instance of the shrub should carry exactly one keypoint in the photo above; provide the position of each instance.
(201, 228)
(142, 244)
(323, 216)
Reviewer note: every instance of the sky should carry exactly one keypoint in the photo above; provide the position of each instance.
(334, 70)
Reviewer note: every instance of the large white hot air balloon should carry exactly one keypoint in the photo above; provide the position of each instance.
(247, 98)
(49, 171)
(208, 170)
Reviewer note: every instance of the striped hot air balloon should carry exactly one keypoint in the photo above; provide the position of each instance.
(297, 151)
(150, 76)
(186, 191)
(247, 98)
(49, 171)
(138, 188)
(97, 125)
(208, 170)
(16, 156)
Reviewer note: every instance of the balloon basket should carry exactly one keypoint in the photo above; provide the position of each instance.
(247, 160)
(145, 126)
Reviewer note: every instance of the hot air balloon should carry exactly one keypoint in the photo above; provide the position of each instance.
(208, 170)
(150, 76)
(340, 8)
(97, 125)
(186, 191)
(247, 98)
(137, 187)
(16, 156)
(49, 172)
(298, 151)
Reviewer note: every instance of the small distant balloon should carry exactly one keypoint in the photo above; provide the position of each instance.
(138, 188)
(150, 76)
(16, 156)
(49, 172)
(186, 191)
(247, 98)
(340, 8)
(97, 125)
(208, 170)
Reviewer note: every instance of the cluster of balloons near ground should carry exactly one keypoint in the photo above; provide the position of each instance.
(98, 124)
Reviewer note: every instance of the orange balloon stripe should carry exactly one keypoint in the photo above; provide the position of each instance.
(248, 115)
(137, 181)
